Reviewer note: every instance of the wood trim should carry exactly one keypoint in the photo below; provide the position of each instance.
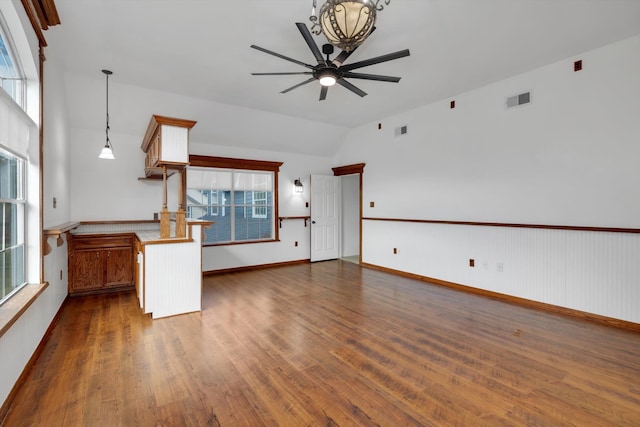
(35, 23)
(61, 229)
(360, 222)
(286, 218)
(15, 306)
(608, 321)
(44, 245)
(241, 242)
(254, 267)
(231, 163)
(500, 224)
(116, 222)
(167, 241)
(6, 406)
(243, 164)
(276, 202)
(349, 169)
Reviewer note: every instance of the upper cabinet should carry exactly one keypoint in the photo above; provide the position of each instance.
(166, 144)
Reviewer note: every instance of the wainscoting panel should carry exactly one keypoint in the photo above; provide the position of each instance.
(593, 271)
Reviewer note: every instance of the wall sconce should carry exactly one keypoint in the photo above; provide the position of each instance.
(298, 188)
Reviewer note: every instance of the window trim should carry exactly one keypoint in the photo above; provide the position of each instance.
(21, 203)
(241, 164)
(19, 92)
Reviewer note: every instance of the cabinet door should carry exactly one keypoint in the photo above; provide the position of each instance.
(119, 266)
(87, 270)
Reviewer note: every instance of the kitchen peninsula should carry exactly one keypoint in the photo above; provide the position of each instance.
(120, 255)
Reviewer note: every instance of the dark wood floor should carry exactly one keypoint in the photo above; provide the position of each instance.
(330, 344)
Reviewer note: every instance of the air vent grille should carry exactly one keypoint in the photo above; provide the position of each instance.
(520, 99)
(401, 130)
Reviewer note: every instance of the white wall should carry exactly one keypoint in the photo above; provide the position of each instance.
(568, 158)
(20, 341)
(110, 189)
(56, 182)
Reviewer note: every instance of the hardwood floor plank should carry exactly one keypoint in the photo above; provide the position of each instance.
(329, 344)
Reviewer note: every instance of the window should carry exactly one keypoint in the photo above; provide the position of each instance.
(11, 77)
(12, 217)
(260, 204)
(239, 196)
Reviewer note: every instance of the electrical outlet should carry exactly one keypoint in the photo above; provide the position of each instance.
(295, 243)
(500, 267)
(372, 204)
(472, 262)
(55, 203)
(395, 251)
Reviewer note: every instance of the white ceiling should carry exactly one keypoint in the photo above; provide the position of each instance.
(200, 48)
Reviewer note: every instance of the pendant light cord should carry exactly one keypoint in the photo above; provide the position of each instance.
(107, 129)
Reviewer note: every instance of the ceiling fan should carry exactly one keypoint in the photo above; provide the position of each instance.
(329, 72)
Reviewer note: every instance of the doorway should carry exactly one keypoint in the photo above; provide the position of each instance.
(350, 224)
(336, 214)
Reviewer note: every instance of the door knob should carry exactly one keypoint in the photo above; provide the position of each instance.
(313, 222)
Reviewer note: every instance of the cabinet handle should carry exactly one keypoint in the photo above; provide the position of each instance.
(97, 255)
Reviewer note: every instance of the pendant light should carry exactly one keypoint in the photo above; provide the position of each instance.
(107, 150)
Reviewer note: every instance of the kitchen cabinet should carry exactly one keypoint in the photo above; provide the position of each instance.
(166, 145)
(101, 263)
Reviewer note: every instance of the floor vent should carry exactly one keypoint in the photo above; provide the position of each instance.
(517, 100)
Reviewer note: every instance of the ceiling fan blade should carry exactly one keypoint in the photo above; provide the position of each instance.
(339, 60)
(286, 58)
(298, 85)
(282, 74)
(352, 88)
(306, 34)
(323, 93)
(376, 77)
(376, 60)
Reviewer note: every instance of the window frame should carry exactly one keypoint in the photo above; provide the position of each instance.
(17, 89)
(241, 165)
(258, 207)
(20, 203)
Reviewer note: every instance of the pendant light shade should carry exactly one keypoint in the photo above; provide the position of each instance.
(106, 153)
(107, 150)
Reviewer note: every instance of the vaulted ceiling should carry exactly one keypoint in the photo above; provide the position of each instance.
(200, 49)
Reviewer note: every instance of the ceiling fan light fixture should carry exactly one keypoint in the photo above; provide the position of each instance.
(327, 79)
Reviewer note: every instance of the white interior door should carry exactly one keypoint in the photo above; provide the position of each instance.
(325, 217)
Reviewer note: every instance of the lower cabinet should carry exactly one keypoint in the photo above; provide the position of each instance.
(100, 263)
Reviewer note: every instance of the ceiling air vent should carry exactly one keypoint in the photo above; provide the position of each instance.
(517, 100)
(401, 130)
